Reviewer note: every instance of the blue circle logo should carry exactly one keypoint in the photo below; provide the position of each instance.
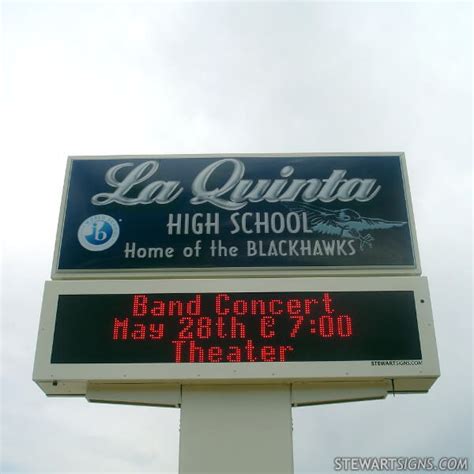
(98, 232)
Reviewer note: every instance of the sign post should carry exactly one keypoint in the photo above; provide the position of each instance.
(235, 287)
(242, 428)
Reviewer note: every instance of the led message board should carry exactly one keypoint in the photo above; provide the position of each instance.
(236, 327)
(235, 214)
(236, 330)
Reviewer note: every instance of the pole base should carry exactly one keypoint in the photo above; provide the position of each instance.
(236, 429)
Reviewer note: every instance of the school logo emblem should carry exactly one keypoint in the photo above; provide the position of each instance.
(98, 232)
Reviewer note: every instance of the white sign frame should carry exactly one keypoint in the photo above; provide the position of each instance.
(73, 379)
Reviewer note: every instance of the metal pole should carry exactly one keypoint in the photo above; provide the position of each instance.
(236, 429)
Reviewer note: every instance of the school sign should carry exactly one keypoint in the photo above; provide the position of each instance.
(236, 214)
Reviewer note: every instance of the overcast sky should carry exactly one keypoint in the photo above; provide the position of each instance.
(150, 77)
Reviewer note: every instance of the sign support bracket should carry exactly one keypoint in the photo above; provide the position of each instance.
(150, 394)
(240, 427)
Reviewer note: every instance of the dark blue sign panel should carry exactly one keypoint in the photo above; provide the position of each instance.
(159, 214)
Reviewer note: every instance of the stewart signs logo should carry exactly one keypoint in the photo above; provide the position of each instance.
(287, 212)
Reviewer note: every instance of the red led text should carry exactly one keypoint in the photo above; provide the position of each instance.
(229, 327)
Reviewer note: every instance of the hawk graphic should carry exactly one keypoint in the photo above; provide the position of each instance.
(343, 222)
